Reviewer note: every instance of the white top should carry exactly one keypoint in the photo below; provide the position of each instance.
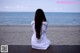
(42, 43)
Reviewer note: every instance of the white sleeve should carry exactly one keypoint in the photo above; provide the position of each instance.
(44, 28)
(32, 22)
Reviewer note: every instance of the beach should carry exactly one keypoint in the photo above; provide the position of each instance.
(21, 35)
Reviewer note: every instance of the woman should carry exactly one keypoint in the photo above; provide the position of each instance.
(39, 26)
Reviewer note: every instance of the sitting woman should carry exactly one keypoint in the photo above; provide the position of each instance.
(39, 26)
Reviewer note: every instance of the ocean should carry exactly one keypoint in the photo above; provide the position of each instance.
(53, 18)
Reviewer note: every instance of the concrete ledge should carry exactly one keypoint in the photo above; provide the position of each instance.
(51, 49)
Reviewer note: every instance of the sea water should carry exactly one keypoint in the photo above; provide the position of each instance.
(53, 18)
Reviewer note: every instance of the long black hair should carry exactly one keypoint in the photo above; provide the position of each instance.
(39, 18)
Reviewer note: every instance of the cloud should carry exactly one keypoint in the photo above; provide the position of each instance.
(15, 7)
(57, 9)
(68, 2)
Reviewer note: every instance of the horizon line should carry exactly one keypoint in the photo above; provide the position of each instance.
(33, 11)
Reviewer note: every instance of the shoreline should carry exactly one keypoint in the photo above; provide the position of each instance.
(48, 25)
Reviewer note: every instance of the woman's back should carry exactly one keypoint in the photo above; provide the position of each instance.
(43, 42)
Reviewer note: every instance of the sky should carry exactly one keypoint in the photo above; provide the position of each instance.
(46, 5)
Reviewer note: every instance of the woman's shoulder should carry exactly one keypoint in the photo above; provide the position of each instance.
(32, 22)
(44, 22)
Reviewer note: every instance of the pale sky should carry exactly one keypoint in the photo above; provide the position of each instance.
(46, 5)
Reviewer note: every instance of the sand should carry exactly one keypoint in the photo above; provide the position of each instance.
(21, 35)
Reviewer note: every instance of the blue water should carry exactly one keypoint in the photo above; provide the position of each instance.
(25, 18)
